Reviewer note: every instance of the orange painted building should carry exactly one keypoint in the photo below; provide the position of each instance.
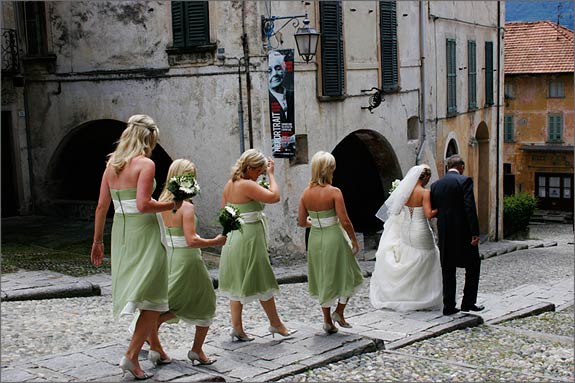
(538, 114)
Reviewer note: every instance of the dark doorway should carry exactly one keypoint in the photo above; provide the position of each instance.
(10, 205)
(554, 191)
(366, 166)
(78, 163)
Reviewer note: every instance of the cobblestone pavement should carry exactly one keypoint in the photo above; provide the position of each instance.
(33, 330)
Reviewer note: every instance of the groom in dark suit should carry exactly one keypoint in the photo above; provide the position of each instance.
(458, 233)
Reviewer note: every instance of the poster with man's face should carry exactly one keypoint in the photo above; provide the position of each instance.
(281, 97)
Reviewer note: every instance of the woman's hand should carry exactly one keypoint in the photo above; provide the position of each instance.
(354, 248)
(271, 166)
(97, 254)
(220, 240)
(177, 205)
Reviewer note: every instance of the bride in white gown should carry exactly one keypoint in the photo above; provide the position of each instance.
(407, 272)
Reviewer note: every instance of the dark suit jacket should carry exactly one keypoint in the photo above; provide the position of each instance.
(457, 219)
(286, 115)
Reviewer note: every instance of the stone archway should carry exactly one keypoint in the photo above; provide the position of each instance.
(483, 167)
(366, 165)
(76, 167)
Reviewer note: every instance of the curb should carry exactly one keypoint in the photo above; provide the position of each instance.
(79, 289)
(525, 312)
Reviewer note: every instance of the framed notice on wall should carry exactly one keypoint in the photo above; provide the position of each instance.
(281, 100)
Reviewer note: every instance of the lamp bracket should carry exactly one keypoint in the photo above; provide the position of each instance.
(268, 26)
(375, 99)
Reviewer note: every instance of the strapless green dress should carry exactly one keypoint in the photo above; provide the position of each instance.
(139, 262)
(333, 271)
(245, 273)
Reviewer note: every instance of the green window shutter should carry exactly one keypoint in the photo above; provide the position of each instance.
(555, 127)
(508, 128)
(489, 73)
(388, 33)
(197, 23)
(190, 23)
(451, 77)
(332, 69)
(472, 74)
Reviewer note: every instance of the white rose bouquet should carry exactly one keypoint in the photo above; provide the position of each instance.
(229, 218)
(183, 187)
(394, 185)
(263, 182)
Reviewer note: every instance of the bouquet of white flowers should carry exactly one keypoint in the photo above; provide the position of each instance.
(394, 185)
(183, 187)
(263, 182)
(230, 219)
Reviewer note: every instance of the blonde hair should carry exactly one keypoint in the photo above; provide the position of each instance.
(177, 168)
(252, 158)
(322, 168)
(426, 172)
(138, 139)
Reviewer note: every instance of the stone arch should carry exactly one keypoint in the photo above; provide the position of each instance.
(483, 167)
(366, 165)
(75, 169)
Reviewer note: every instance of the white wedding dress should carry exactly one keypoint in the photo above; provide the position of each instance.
(407, 272)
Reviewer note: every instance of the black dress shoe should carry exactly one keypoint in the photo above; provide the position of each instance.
(450, 311)
(472, 308)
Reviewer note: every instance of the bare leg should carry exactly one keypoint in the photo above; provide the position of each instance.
(236, 308)
(199, 339)
(272, 313)
(327, 316)
(145, 325)
(339, 309)
(154, 339)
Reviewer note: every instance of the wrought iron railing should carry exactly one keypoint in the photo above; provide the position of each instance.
(10, 58)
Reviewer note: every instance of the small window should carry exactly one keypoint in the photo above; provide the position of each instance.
(555, 127)
(556, 89)
(472, 75)
(507, 168)
(509, 91)
(35, 23)
(451, 78)
(488, 73)
(332, 68)
(508, 128)
(541, 192)
(567, 187)
(413, 128)
(190, 24)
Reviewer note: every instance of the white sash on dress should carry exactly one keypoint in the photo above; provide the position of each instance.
(330, 221)
(256, 216)
(177, 241)
(128, 206)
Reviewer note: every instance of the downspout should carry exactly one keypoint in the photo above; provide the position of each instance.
(498, 116)
(422, 132)
(248, 76)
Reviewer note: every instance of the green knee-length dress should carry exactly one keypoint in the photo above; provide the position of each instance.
(139, 262)
(190, 289)
(333, 271)
(245, 272)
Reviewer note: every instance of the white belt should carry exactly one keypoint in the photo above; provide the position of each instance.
(125, 206)
(330, 221)
(177, 241)
(256, 216)
(324, 222)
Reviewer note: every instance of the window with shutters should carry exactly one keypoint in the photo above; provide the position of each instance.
(556, 89)
(35, 28)
(508, 128)
(332, 59)
(388, 33)
(555, 127)
(471, 75)
(190, 24)
(488, 73)
(451, 78)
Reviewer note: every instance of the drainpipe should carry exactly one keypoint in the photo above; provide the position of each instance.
(241, 109)
(498, 116)
(248, 76)
(422, 132)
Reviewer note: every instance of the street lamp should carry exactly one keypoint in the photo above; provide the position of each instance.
(306, 37)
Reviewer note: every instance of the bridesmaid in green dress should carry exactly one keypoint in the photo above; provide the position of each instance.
(245, 273)
(139, 264)
(190, 290)
(333, 272)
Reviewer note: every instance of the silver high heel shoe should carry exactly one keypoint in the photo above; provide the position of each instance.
(193, 356)
(339, 320)
(329, 329)
(236, 335)
(275, 330)
(156, 358)
(127, 365)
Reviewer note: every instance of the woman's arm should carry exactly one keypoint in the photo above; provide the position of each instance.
(344, 218)
(97, 253)
(427, 210)
(258, 193)
(189, 227)
(302, 215)
(144, 201)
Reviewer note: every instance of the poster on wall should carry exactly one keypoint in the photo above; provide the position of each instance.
(281, 97)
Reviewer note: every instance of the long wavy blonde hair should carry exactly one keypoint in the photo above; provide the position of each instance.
(322, 168)
(252, 158)
(138, 139)
(177, 168)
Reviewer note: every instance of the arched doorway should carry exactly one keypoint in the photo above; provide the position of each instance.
(75, 170)
(366, 166)
(483, 167)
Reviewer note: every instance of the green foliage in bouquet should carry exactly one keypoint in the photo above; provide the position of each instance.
(263, 182)
(517, 212)
(183, 187)
(229, 218)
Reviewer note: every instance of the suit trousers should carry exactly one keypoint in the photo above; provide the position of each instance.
(470, 288)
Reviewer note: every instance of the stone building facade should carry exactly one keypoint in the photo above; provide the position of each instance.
(88, 65)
